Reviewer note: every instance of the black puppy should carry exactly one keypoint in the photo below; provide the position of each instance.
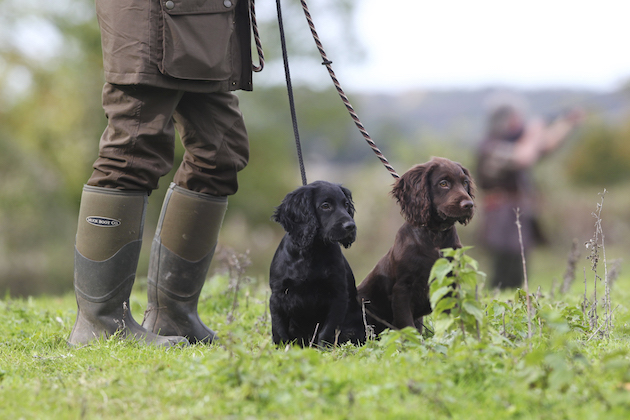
(313, 292)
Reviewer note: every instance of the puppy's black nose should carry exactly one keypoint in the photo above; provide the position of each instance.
(349, 226)
(467, 204)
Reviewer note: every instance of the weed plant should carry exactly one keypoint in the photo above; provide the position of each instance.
(475, 359)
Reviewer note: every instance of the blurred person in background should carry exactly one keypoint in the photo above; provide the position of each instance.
(513, 144)
(169, 65)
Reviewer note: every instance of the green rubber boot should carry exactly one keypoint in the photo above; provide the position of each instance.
(182, 250)
(109, 237)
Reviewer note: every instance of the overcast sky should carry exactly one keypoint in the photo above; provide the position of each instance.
(428, 44)
(466, 43)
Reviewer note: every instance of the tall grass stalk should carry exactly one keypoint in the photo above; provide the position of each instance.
(526, 282)
(594, 245)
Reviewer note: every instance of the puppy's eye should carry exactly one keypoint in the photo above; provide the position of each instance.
(325, 206)
(444, 183)
(466, 183)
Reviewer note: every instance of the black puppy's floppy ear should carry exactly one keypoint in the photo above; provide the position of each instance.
(412, 191)
(296, 214)
(348, 194)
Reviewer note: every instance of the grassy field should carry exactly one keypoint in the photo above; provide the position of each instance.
(570, 368)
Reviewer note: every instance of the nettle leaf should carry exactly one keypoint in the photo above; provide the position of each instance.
(442, 325)
(499, 339)
(467, 260)
(497, 308)
(520, 295)
(449, 252)
(439, 294)
(388, 342)
(555, 320)
(440, 270)
(439, 348)
(467, 277)
(411, 335)
(472, 307)
(455, 273)
(444, 304)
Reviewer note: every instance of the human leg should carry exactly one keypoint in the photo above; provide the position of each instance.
(137, 146)
(182, 250)
(109, 237)
(508, 270)
(213, 133)
(215, 139)
(135, 150)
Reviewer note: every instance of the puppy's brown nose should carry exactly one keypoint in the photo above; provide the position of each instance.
(467, 205)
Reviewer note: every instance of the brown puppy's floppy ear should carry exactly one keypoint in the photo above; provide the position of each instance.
(472, 187)
(297, 216)
(413, 193)
(471, 192)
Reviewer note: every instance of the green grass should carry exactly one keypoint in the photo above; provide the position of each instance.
(558, 374)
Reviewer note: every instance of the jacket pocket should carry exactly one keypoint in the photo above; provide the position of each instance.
(197, 37)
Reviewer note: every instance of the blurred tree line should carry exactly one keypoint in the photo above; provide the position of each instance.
(51, 120)
(50, 116)
(603, 154)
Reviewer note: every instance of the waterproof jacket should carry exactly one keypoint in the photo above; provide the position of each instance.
(191, 45)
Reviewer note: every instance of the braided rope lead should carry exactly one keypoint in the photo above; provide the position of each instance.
(259, 49)
(343, 96)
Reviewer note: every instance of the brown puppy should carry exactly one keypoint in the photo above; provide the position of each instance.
(432, 196)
